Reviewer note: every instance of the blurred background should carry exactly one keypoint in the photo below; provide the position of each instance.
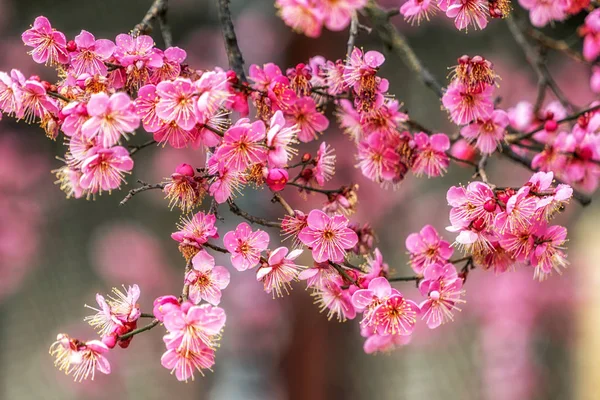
(515, 339)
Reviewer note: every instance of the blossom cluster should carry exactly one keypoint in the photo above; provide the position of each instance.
(503, 228)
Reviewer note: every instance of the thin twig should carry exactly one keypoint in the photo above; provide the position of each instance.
(404, 279)
(317, 190)
(342, 272)
(352, 35)
(156, 9)
(140, 330)
(58, 96)
(397, 43)
(135, 148)
(278, 199)
(536, 61)
(481, 169)
(234, 55)
(216, 248)
(165, 29)
(251, 218)
(558, 45)
(143, 188)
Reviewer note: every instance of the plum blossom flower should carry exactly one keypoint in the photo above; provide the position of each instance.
(328, 237)
(49, 45)
(194, 232)
(377, 160)
(542, 12)
(431, 158)
(243, 146)
(466, 105)
(547, 254)
(417, 10)
(177, 102)
(10, 94)
(183, 362)
(110, 118)
(206, 280)
(245, 246)
(80, 359)
(302, 16)
(337, 13)
(103, 170)
(467, 12)
(280, 139)
(427, 248)
(35, 103)
(171, 67)
(138, 56)
(395, 316)
(488, 133)
(279, 271)
(443, 289)
(377, 343)
(304, 114)
(225, 181)
(145, 106)
(367, 300)
(90, 55)
(330, 296)
(324, 163)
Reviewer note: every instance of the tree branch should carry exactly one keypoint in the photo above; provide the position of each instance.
(234, 55)
(145, 186)
(140, 330)
(157, 10)
(251, 218)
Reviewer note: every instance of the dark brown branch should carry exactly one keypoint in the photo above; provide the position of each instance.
(251, 218)
(554, 44)
(58, 96)
(135, 148)
(352, 35)
(536, 61)
(145, 186)
(158, 8)
(404, 279)
(481, 169)
(396, 42)
(317, 190)
(165, 29)
(216, 248)
(234, 55)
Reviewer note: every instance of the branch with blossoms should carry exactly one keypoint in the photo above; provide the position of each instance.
(109, 91)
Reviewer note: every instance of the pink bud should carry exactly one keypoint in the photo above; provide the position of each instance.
(185, 170)
(463, 150)
(490, 205)
(276, 179)
(164, 305)
(551, 125)
(110, 340)
(71, 46)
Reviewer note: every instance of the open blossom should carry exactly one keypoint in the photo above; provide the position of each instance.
(377, 159)
(325, 164)
(417, 10)
(245, 246)
(328, 237)
(468, 12)
(443, 288)
(194, 232)
(49, 45)
(395, 316)
(103, 170)
(91, 54)
(338, 13)
(225, 182)
(177, 102)
(548, 255)
(367, 300)
(110, 118)
(35, 103)
(542, 12)
(243, 145)
(205, 279)
(10, 93)
(488, 133)
(80, 359)
(292, 225)
(431, 158)
(193, 335)
(279, 270)
(171, 67)
(307, 118)
(466, 105)
(138, 56)
(520, 208)
(332, 297)
(145, 106)
(427, 248)
(302, 16)
(280, 139)
(184, 188)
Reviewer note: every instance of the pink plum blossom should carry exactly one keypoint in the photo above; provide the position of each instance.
(245, 246)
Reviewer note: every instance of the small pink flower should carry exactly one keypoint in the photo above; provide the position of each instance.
(291, 225)
(431, 158)
(225, 181)
(184, 362)
(307, 118)
(50, 45)
(212, 91)
(193, 327)
(520, 209)
(329, 238)
(547, 255)
(376, 343)
(377, 158)
(395, 316)
(145, 106)
(110, 118)
(175, 135)
(427, 248)
(302, 16)
(35, 103)
(417, 10)
(338, 13)
(280, 140)
(367, 300)
(330, 296)
(276, 179)
(10, 93)
(177, 102)
(104, 169)
(90, 55)
(263, 77)
(138, 56)
(243, 146)
(325, 163)
(279, 271)
(467, 12)
(443, 289)
(245, 246)
(197, 230)
(171, 67)
(466, 105)
(81, 359)
(488, 133)
(541, 12)
(206, 280)
(164, 305)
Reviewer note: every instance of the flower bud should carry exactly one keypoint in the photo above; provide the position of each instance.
(276, 179)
